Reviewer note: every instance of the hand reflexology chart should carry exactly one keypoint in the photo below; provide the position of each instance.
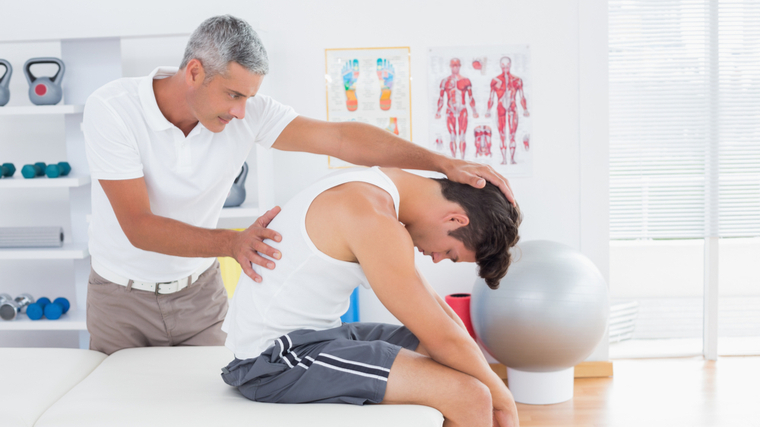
(479, 100)
(369, 85)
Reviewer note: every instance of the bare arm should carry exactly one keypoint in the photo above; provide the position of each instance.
(146, 231)
(386, 253)
(368, 145)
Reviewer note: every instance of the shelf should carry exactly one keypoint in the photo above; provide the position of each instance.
(246, 210)
(68, 251)
(18, 181)
(74, 320)
(30, 110)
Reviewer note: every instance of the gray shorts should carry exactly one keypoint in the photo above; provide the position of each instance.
(348, 364)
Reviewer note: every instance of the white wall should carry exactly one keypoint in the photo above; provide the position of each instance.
(566, 198)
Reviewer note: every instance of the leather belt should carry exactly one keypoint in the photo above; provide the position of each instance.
(156, 287)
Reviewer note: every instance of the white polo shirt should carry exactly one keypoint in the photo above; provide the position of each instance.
(188, 178)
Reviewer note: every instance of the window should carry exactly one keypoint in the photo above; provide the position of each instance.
(685, 172)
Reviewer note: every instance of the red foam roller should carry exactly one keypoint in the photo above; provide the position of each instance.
(460, 303)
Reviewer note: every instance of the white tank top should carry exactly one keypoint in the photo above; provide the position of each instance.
(308, 289)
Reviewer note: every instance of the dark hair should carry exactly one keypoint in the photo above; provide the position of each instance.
(492, 229)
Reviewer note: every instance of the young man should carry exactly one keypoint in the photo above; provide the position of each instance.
(361, 227)
(163, 151)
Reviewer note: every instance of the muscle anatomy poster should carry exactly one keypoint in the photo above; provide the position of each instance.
(369, 85)
(479, 100)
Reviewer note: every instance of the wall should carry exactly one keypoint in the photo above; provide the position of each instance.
(566, 198)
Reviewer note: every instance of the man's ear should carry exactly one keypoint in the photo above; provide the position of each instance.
(459, 218)
(194, 73)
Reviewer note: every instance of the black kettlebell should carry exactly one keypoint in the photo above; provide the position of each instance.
(237, 192)
(5, 92)
(45, 90)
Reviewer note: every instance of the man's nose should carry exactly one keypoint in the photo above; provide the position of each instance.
(436, 257)
(238, 111)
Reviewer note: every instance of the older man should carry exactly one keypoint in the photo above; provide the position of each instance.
(163, 151)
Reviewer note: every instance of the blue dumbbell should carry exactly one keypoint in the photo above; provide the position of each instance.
(37, 310)
(7, 170)
(54, 171)
(54, 310)
(33, 171)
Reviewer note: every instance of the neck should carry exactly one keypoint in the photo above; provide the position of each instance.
(172, 101)
(419, 197)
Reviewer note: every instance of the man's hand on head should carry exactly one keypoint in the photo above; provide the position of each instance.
(476, 175)
(250, 243)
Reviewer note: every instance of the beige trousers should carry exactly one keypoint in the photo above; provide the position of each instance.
(120, 317)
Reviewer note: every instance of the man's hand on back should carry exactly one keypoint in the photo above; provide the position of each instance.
(250, 242)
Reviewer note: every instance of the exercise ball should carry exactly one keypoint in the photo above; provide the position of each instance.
(548, 314)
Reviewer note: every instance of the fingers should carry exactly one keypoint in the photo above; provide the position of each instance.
(264, 220)
(253, 257)
(496, 179)
(501, 419)
(476, 175)
(248, 270)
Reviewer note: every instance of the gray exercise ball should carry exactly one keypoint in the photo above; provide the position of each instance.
(549, 312)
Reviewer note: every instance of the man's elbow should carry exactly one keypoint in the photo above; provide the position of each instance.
(135, 230)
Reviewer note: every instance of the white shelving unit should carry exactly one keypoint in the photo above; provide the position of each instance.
(17, 181)
(37, 110)
(67, 251)
(74, 320)
(90, 63)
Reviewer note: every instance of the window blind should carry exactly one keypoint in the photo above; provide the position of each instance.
(684, 118)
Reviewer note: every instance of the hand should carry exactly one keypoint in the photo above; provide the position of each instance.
(476, 175)
(502, 419)
(488, 114)
(250, 242)
(437, 115)
(526, 113)
(474, 115)
(505, 410)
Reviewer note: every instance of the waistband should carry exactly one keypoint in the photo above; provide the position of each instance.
(157, 287)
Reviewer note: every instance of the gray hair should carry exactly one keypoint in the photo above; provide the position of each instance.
(224, 39)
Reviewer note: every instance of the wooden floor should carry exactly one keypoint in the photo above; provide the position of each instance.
(660, 392)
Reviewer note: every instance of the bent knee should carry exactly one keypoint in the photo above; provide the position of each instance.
(476, 394)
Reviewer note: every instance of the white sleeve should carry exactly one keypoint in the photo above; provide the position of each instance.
(269, 117)
(112, 151)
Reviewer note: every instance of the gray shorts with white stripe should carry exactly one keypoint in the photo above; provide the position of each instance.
(348, 364)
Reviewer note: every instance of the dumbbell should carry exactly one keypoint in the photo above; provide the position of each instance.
(7, 169)
(51, 310)
(61, 169)
(33, 171)
(11, 308)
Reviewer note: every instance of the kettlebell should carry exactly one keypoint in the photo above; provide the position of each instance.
(45, 90)
(5, 92)
(237, 192)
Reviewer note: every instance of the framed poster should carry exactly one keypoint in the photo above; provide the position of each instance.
(479, 98)
(369, 85)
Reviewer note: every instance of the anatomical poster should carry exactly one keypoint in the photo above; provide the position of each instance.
(369, 85)
(479, 101)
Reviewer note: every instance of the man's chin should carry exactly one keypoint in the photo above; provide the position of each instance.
(215, 126)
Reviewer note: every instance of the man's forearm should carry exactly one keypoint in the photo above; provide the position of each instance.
(171, 237)
(368, 145)
(465, 356)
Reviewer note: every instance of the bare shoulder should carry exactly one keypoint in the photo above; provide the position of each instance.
(345, 214)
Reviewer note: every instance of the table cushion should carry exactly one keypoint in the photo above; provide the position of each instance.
(35, 378)
(182, 386)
